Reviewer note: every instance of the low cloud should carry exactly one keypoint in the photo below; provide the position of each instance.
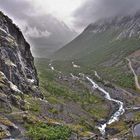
(93, 10)
(40, 29)
(33, 32)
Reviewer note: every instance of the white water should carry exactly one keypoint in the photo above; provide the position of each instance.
(12, 86)
(22, 63)
(133, 108)
(43, 100)
(116, 115)
(10, 63)
(52, 68)
(31, 80)
(96, 74)
(3, 30)
(74, 77)
(74, 65)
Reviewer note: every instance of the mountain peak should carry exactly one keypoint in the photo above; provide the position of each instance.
(129, 26)
(106, 32)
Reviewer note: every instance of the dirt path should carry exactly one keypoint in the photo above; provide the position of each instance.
(135, 76)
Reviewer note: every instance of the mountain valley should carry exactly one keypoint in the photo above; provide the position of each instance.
(89, 89)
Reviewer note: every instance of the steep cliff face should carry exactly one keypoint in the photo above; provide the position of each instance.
(18, 75)
(16, 60)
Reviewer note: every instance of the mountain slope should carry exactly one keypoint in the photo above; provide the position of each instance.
(18, 78)
(107, 40)
(102, 51)
(24, 112)
(16, 60)
(47, 34)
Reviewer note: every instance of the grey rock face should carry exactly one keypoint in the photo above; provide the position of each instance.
(17, 71)
(18, 75)
(127, 27)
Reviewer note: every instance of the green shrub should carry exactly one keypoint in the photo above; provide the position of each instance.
(42, 131)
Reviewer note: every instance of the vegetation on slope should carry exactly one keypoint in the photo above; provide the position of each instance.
(91, 49)
(46, 132)
(59, 90)
(73, 97)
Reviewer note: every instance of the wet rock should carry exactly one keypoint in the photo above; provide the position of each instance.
(112, 131)
(73, 136)
(16, 60)
(8, 129)
(18, 76)
(129, 116)
(5, 106)
(136, 130)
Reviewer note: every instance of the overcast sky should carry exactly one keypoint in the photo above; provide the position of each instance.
(93, 10)
(75, 13)
(61, 9)
(58, 20)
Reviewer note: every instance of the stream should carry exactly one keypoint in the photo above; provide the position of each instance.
(116, 115)
(50, 65)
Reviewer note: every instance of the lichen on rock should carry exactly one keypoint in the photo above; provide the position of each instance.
(18, 75)
(16, 60)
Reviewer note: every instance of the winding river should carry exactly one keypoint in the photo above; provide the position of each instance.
(116, 115)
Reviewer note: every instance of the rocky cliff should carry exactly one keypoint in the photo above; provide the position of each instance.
(18, 75)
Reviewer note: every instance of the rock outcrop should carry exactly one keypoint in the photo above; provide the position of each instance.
(18, 75)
